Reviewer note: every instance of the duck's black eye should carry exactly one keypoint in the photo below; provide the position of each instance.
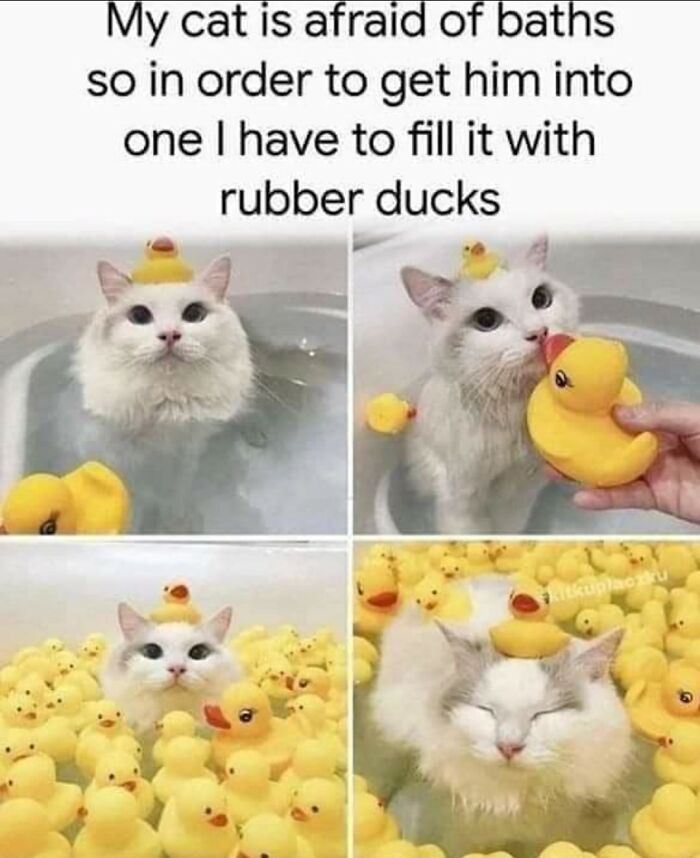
(199, 652)
(152, 651)
(685, 696)
(195, 312)
(314, 808)
(48, 528)
(246, 715)
(561, 379)
(542, 297)
(486, 319)
(139, 315)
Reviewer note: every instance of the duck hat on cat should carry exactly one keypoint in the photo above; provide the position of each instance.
(162, 263)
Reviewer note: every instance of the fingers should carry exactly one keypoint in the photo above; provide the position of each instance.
(554, 475)
(636, 495)
(677, 418)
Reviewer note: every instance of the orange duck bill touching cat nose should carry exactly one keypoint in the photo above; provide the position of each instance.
(553, 346)
(384, 600)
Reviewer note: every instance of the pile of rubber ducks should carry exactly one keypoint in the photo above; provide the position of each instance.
(560, 590)
(263, 774)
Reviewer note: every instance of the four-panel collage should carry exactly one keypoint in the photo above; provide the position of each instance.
(315, 550)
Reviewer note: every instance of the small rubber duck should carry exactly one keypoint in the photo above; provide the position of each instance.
(91, 500)
(113, 828)
(276, 677)
(677, 561)
(668, 827)
(406, 849)
(57, 738)
(35, 777)
(312, 680)
(388, 414)
(69, 672)
(617, 851)
(563, 849)
(365, 659)
(569, 413)
(17, 744)
(67, 702)
(174, 724)
(591, 622)
(25, 832)
(195, 822)
(528, 634)
(318, 813)
(478, 263)
(161, 263)
(51, 646)
(91, 653)
(20, 710)
(678, 758)
(106, 724)
(684, 621)
(653, 707)
(646, 663)
(118, 769)
(373, 826)
(440, 600)
(309, 717)
(378, 597)
(564, 600)
(184, 759)
(244, 720)
(269, 835)
(479, 557)
(313, 758)
(32, 686)
(177, 606)
(249, 790)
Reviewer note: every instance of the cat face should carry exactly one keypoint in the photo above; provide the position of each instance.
(488, 330)
(174, 655)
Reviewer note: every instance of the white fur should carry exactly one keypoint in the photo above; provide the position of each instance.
(146, 689)
(468, 447)
(573, 760)
(130, 377)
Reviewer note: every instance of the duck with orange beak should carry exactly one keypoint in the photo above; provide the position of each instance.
(176, 606)
(570, 413)
(528, 634)
(378, 597)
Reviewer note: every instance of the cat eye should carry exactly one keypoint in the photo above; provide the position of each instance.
(484, 709)
(542, 297)
(195, 312)
(139, 315)
(199, 652)
(152, 651)
(48, 528)
(561, 379)
(537, 715)
(486, 319)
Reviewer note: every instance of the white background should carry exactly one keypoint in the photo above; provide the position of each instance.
(63, 173)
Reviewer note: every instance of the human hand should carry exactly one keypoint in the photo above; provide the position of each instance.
(672, 483)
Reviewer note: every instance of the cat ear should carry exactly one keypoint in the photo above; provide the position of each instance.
(113, 282)
(217, 276)
(427, 291)
(219, 624)
(596, 659)
(131, 622)
(469, 656)
(536, 254)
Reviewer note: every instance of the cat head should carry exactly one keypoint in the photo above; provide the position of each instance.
(488, 332)
(532, 713)
(170, 655)
(168, 323)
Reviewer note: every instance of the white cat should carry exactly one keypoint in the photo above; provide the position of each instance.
(521, 751)
(160, 668)
(468, 448)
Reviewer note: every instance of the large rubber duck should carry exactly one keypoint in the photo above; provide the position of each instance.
(114, 829)
(177, 606)
(162, 263)
(270, 835)
(378, 597)
(92, 500)
(372, 825)
(244, 720)
(668, 827)
(318, 812)
(25, 832)
(195, 823)
(388, 414)
(184, 759)
(440, 600)
(35, 777)
(249, 790)
(528, 634)
(654, 707)
(118, 769)
(678, 758)
(478, 262)
(569, 413)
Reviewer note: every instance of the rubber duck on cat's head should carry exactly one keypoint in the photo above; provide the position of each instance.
(162, 263)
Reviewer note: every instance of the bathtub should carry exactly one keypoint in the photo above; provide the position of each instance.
(644, 292)
(291, 300)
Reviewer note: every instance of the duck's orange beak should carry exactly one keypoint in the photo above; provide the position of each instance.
(384, 600)
(553, 346)
(525, 604)
(662, 741)
(478, 249)
(130, 786)
(289, 682)
(216, 718)
(180, 592)
(219, 821)
(298, 814)
(3, 530)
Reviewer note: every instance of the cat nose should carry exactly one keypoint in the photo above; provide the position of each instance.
(509, 749)
(177, 669)
(170, 337)
(538, 336)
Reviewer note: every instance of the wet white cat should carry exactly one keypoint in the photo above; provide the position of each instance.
(520, 750)
(159, 668)
(468, 448)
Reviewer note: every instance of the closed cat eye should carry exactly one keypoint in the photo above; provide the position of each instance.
(139, 315)
(152, 651)
(195, 312)
(484, 709)
(486, 319)
(542, 297)
(549, 712)
(199, 652)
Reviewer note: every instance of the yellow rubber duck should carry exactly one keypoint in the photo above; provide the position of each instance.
(275, 675)
(654, 707)
(119, 769)
(617, 851)
(195, 823)
(528, 634)
(406, 849)
(244, 720)
(318, 813)
(478, 263)
(35, 778)
(17, 744)
(378, 597)
(373, 826)
(312, 680)
(668, 827)
(105, 726)
(67, 702)
(684, 622)
(249, 789)
(591, 622)
(177, 606)
(312, 758)
(565, 601)
(563, 849)
(57, 738)
(646, 663)
(388, 414)
(677, 561)
(309, 718)
(25, 832)
(32, 686)
(569, 413)
(19, 710)
(441, 601)
(678, 758)
(184, 759)
(365, 659)
(162, 263)
(91, 653)
(174, 724)
(113, 828)
(51, 646)
(70, 673)
(92, 500)
(270, 835)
